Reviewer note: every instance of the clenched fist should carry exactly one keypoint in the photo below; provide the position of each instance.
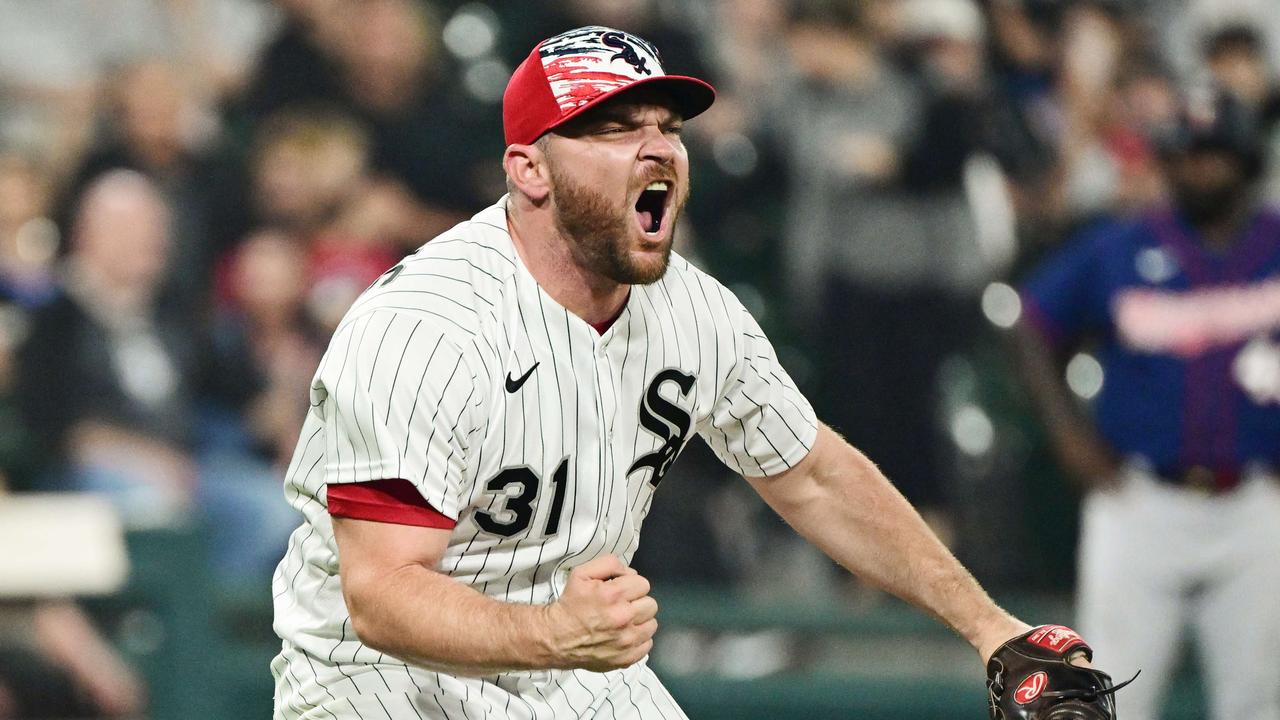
(604, 620)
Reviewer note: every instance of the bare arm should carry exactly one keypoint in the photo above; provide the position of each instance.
(1076, 442)
(402, 606)
(840, 501)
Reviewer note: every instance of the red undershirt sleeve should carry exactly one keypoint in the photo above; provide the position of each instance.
(390, 501)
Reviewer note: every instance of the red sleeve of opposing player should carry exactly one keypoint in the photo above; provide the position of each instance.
(389, 501)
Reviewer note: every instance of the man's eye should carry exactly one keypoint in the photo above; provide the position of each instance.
(674, 130)
(611, 130)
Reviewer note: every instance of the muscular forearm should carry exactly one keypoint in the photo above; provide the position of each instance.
(843, 504)
(429, 619)
(602, 620)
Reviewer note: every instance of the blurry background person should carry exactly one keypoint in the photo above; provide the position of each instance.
(427, 141)
(311, 179)
(157, 124)
(264, 344)
(105, 376)
(1236, 57)
(109, 382)
(881, 240)
(1181, 455)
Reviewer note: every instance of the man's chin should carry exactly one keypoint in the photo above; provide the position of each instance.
(645, 267)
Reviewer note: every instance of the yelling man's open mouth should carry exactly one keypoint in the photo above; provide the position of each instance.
(651, 207)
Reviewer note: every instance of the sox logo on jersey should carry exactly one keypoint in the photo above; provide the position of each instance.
(543, 439)
(673, 432)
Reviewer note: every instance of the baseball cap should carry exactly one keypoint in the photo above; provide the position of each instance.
(567, 74)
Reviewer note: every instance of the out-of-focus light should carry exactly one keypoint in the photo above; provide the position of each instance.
(1257, 370)
(735, 154)
(142, 632)
(1084, 375)
(1155, 265)
(486, 80)
(472, 32)
(1001, 305)
(37, 240)
(972, 430)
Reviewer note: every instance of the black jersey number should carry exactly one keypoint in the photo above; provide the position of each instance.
(520, 487)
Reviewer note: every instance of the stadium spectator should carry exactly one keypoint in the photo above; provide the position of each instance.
(1236, 57)
(155, 123)
(297, 66)
(428, 143)
(264, 346)
(880, 237)
(310, 179)
(105, 376)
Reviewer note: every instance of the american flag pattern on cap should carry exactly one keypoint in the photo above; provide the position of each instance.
(566, 74)
(585, 63)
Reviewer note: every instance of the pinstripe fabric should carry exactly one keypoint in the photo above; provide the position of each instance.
(420, 382)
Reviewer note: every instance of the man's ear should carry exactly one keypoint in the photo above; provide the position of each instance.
(527, 170)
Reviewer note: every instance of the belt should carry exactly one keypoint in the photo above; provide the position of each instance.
(1204, 479)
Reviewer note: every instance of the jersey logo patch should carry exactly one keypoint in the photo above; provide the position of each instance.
(667, 421)
(516, 383)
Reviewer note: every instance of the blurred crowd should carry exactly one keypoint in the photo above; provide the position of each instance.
(193, 191)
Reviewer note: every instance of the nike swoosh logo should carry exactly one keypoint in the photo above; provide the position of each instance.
(515, 384)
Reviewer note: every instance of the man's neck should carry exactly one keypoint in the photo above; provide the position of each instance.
(546, 253)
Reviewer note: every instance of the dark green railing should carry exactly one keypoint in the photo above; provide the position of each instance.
(205, 649)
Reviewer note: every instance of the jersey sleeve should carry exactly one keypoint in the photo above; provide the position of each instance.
(760, 424)
(398, 401)
(1065, 298)
(393, 501)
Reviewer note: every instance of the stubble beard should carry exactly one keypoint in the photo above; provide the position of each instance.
(597, 233)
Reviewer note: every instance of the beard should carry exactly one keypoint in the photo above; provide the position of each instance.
(598, 232)
(1209, 206)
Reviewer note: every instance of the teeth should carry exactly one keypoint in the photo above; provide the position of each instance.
(657, 185)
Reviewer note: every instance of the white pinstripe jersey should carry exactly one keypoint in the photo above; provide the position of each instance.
(542, 438)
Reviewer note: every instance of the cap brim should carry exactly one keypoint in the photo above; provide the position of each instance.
(691, 95)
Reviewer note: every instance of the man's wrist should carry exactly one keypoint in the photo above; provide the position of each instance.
(992, 632)
(539, 621)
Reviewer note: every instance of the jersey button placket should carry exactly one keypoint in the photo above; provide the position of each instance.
(604, 380)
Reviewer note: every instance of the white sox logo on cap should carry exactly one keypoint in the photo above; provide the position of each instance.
(574, 70)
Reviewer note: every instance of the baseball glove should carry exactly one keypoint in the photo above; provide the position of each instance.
(1031, 678)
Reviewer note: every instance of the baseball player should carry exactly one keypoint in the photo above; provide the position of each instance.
(493, 417)
(1180, 526)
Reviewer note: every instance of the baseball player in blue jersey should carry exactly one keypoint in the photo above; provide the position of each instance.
(1181, 526)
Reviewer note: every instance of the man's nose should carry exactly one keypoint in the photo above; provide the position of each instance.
(657, 145)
